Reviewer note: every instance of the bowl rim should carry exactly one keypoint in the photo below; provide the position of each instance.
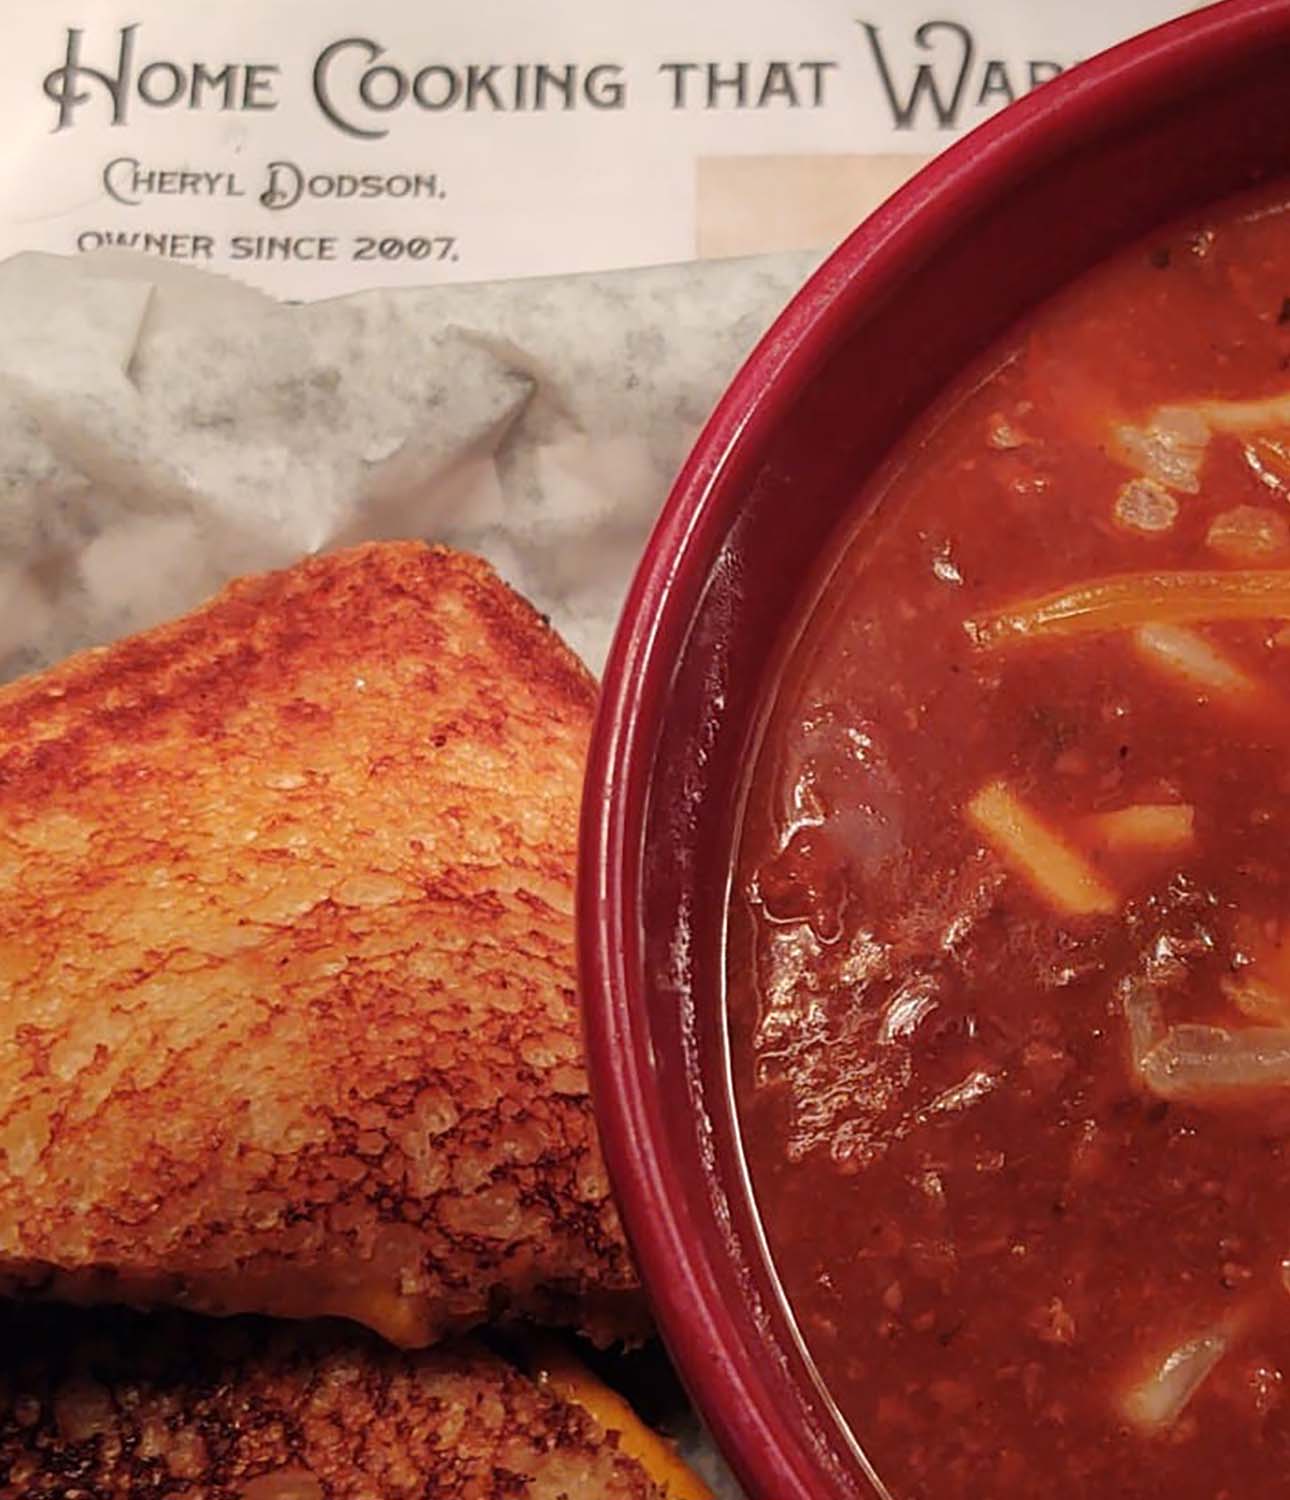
(764, 1448)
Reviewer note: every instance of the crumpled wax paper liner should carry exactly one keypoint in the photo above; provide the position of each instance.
(163, 430)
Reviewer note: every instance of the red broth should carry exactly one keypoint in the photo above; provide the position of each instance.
(1009, 941)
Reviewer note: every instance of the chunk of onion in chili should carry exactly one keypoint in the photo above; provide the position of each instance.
(1192, 660)
(1164, 827)
(1171, 445)
(1249, 534)
(1192, 1063)
(1169, 449)
(1157, 1402)
(1145, 506)
(1130, 601)
(1146, 1019)
(1199, 1063)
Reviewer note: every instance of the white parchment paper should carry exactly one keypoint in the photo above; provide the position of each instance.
(163, 430)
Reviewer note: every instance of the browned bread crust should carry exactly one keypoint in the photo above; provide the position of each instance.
(287, 1009)
(116, 1407)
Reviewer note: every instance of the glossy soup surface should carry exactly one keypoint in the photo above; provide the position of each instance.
(1010, 924)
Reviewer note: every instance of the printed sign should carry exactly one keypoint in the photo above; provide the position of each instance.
(311, 149)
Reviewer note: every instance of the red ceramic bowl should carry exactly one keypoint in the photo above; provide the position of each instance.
(1186, 113)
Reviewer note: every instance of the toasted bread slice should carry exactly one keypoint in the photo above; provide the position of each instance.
(115, 1405)
(287, 1009)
